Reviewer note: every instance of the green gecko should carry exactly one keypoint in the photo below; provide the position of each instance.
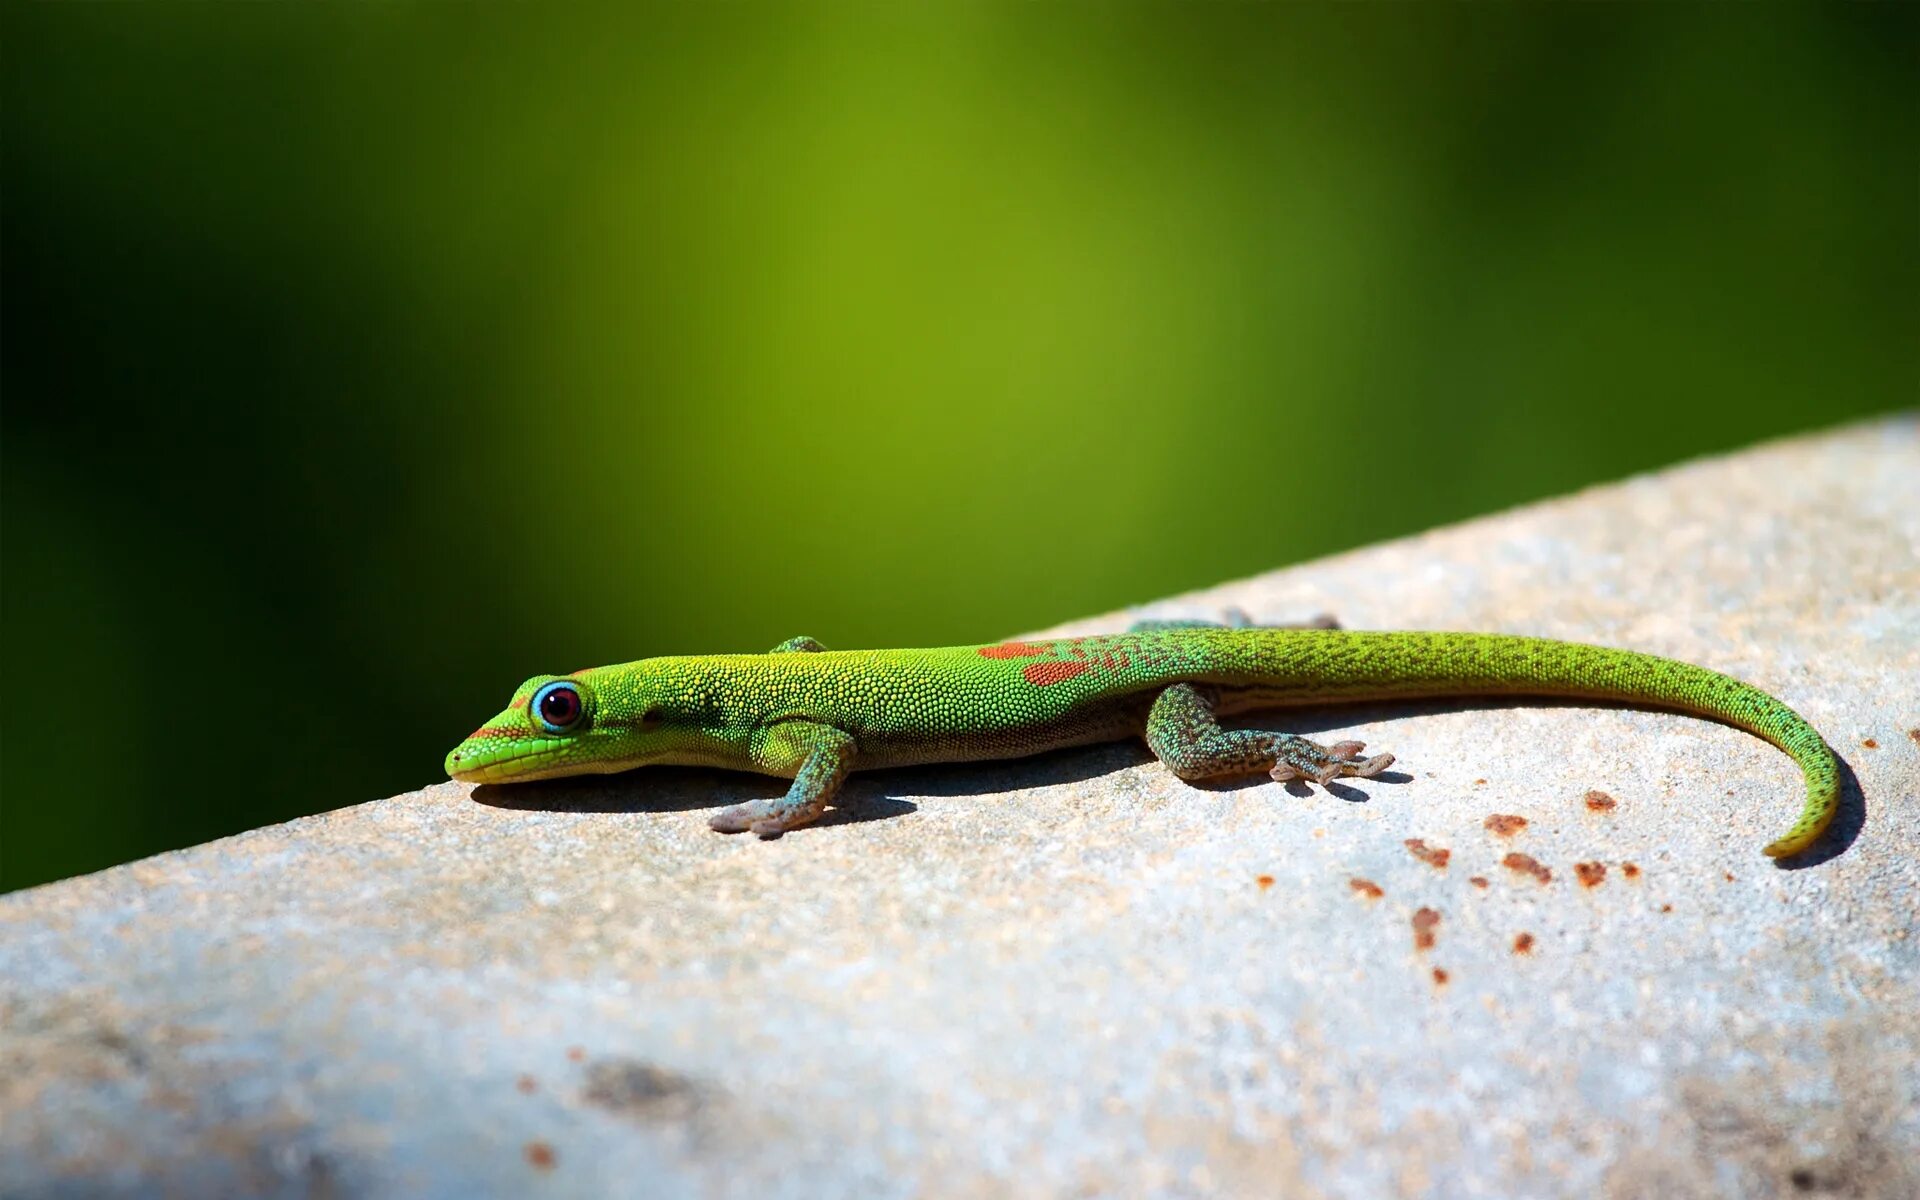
(811, 715)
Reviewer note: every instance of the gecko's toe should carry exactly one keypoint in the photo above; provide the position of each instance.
(1302, 759)
(1347, 756)
(742, 817)
(1373, 766)
(767, 819)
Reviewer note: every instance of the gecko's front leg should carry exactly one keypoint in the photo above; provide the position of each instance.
(816, 756)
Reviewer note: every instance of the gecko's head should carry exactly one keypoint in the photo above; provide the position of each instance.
(553, 726)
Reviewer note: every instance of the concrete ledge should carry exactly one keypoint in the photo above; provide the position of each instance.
(1076, 975)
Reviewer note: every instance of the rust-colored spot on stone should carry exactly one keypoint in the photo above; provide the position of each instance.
(1433, 856)
(1505, 824)
(526, 1085)
(1479, 881)
(1869, 743)
(576, 1054)
(1366, 887)
(1013, 650)
(1265, 882)
(1914, 734)
(1592, 874)
(1041, 674)
(1528, 864)
(540, 1155)
(1630, 870)
(1601, 802)
(1479, 783)
(1729, 875)
(1425, 922)
(1666, 908)
(1523, 943)
(1440, 976)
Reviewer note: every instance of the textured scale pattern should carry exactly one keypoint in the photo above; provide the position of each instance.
(812, 715)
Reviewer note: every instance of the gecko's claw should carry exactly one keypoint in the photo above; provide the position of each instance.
(1300, 758)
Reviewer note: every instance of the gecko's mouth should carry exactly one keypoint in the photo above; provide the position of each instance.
(504, 764)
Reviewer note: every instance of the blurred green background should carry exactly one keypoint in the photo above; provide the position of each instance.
(361, 361)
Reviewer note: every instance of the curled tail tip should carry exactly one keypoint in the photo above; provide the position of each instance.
(1795, 842)
(1823, 770)
(1805, 832)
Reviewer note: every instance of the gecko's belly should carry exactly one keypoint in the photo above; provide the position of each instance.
(1107, 722)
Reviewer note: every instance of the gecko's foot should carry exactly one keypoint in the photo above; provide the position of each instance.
(1300, 758)
(767, 818)
(1239, 618)
(1232, 618)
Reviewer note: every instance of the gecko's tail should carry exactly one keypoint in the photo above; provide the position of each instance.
(1359, 666)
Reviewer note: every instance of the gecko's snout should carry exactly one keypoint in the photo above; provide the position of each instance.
(463, 763)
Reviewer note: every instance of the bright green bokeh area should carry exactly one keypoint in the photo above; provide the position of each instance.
(362, 362)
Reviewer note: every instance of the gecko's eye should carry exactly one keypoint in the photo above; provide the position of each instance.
(556, 707)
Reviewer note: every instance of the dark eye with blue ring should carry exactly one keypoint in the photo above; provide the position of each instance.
(557, 707)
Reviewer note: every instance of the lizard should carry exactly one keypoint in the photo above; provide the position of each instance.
(804, 713)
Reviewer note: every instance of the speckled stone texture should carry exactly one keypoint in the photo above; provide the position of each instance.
(1076, 974)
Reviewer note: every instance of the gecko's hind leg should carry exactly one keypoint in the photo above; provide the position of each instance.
(1183, 732)
(798, 645)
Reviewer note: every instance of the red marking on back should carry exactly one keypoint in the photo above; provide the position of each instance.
(1043, 673)
(1012, 650)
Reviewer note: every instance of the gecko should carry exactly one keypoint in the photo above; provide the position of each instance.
(811, 715)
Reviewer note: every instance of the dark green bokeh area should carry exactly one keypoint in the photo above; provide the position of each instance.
(363, 361)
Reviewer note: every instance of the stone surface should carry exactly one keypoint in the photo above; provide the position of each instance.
(1075, 974)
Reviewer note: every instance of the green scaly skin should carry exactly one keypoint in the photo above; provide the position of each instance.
(810, 715)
